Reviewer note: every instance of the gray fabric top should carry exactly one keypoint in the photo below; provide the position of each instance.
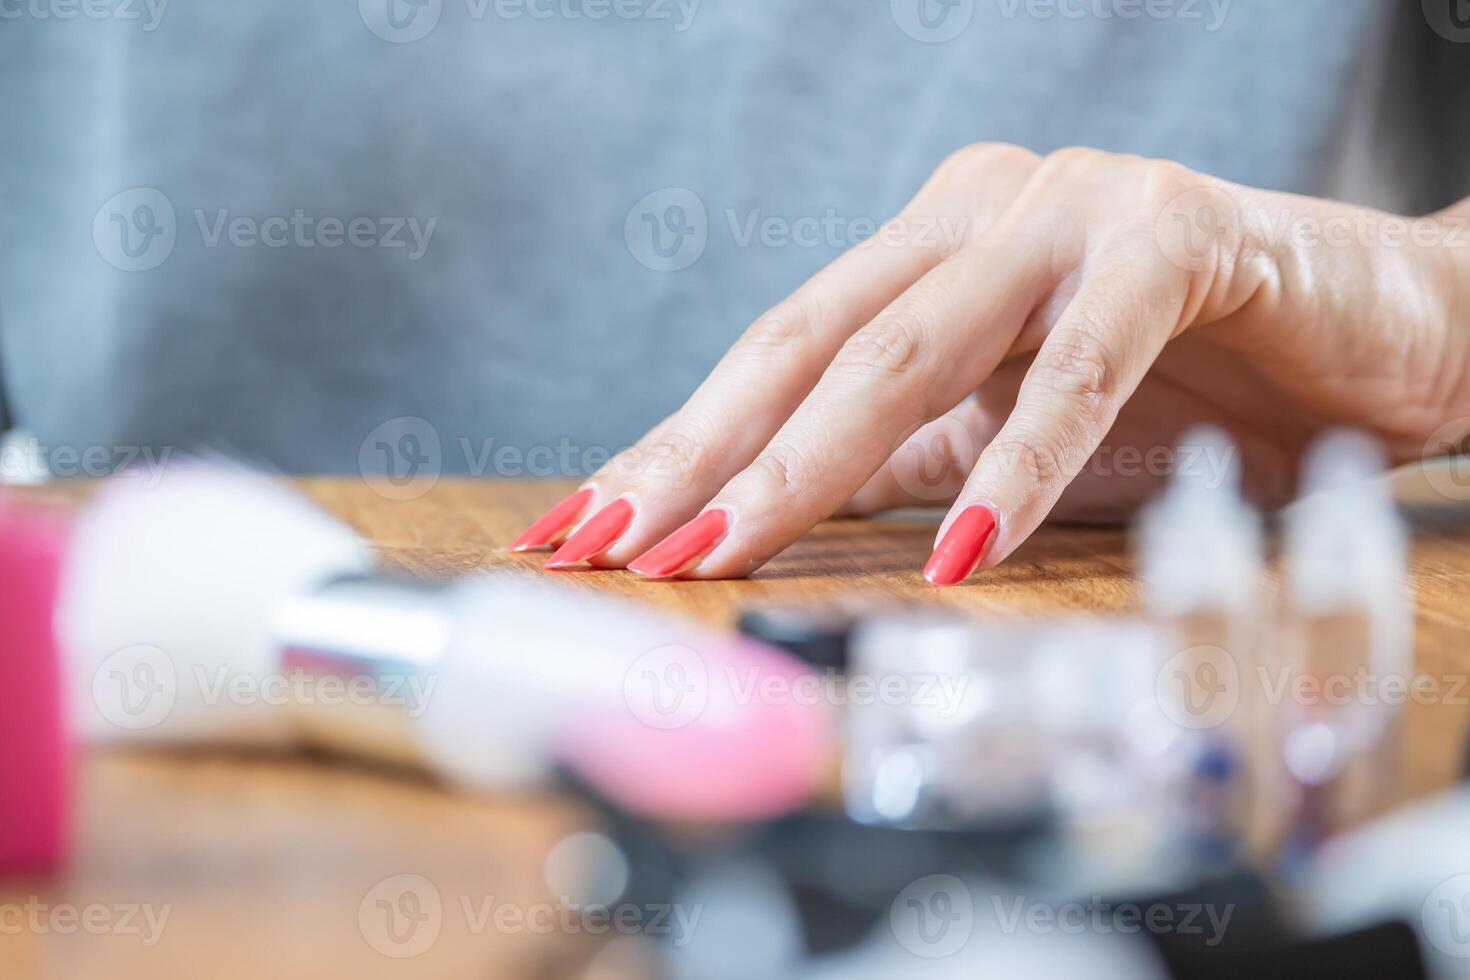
(180, 179)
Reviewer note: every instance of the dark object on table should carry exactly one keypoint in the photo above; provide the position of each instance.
(818, 635)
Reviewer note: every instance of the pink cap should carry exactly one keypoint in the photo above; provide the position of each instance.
(734, 732)
(35, 759)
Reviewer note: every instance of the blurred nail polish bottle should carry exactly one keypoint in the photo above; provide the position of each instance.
(941, 726)
(1033, 731)
(1201, 562)
(35, 757)
(1346, 637)
(272, 628)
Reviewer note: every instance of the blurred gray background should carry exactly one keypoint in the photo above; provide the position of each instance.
(303, 230)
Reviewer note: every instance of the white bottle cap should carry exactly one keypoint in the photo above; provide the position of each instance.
(1200, 543)
(1345, 540)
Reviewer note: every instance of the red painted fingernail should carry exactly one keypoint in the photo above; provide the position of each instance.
(600, 532)
(684, 547)
(554, 522)
(963, 546)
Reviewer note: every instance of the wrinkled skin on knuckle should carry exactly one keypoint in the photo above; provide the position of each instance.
(780, 469)
(1023, 457)
(882, 353)
(775, 331)
(887, 350)
(1076, 366)
(675, 458)
(796, 465)
(788, 471)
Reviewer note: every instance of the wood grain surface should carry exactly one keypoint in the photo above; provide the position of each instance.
(267, 866)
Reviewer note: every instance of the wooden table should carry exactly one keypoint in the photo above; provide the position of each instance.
(263, 865)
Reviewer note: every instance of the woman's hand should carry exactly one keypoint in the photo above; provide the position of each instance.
(1027, 338)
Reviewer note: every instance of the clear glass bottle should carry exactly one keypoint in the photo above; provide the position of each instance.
(1201, 561)
(1346, 638)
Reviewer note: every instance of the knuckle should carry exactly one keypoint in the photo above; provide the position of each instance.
(1164, 180)
(968, 160)
(1026, 458)
(1075, 364)
(677, 456)
(1072, 160)
(1190, 211)
(783, 469)
(888, 348)
(777, 329)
